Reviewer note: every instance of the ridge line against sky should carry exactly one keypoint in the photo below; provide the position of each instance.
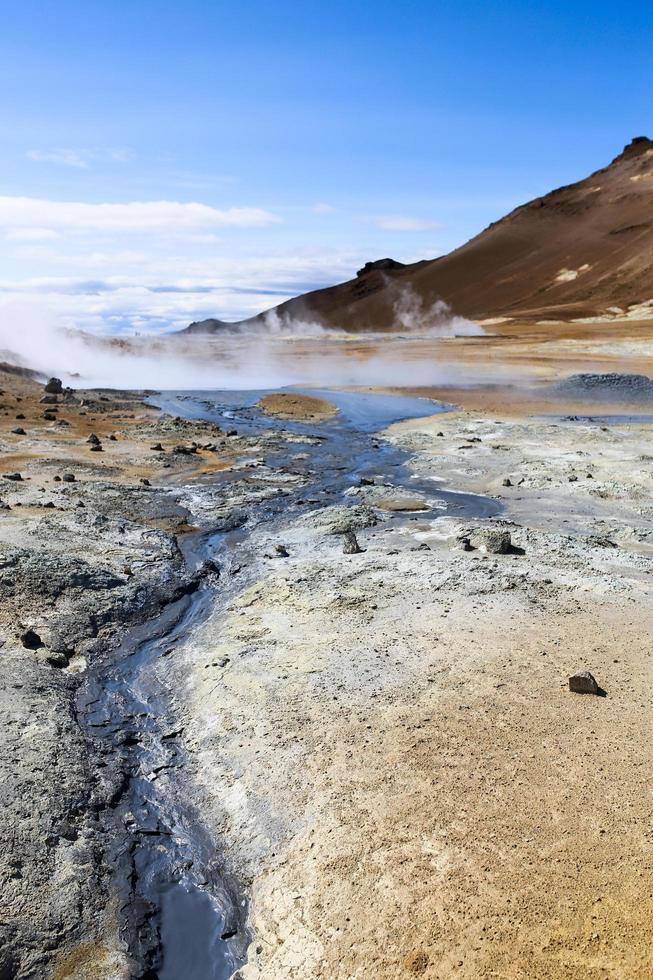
(166, 162)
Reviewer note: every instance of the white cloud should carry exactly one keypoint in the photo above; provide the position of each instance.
(80, 159)
(67, 158)
(30, 235)
(322, 208)
(400, 222)
(139, 216)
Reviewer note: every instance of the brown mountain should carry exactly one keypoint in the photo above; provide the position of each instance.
(581, 250)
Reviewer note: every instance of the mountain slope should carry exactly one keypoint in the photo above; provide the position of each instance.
(578, 251)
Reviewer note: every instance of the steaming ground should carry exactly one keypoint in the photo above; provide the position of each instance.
(270, 353)
(383, 742)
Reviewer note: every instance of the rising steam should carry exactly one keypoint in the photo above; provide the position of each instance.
(272, 352)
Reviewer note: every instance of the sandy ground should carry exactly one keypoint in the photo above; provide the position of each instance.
(386, 742)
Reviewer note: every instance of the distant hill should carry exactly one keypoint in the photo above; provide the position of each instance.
(582, 250)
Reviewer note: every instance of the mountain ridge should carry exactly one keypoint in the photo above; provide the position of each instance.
(582, 250)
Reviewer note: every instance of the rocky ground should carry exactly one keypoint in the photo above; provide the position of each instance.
(382, 741)
(96, 494)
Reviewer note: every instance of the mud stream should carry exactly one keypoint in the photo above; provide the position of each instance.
(181, 914)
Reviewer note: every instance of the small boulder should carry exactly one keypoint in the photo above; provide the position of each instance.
(583, 683)
(281, 551)
(68, 477)
(157, 447)
(507, 482)
(48, 400)
(491, 540)
(14, 477)
(95, 448)
(18, 431)
(54, 386)
(93, 440)
(350, 545)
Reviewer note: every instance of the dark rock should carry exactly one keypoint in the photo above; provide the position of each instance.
(14, 477)
(95, 448)
(507, 482)
(583, 683)
(48, 400)
(145, 482)
(56, 659)
(465, 544)
(20, 416)
(68, 478)
(281, 551)
(157, 448)
(54, 387)
(31, 640)
(381, 265)
(18, 431)
(93, 440)
(49, 417)
(350, 544)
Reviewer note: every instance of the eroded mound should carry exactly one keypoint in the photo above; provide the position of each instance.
(608, 387)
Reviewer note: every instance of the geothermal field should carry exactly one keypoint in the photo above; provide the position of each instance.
(326, 631)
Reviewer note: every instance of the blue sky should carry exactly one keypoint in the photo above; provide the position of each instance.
(163, 161)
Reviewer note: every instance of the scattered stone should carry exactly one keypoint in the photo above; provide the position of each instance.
(157, 448)
(441, 434)
(573, 478)
(48, 400)
(583, 683)
(93, 440)
(18, 431)
(366, 481)
(350, 544)
(57, 479)
(20, 416)
(54, 387)
(49, 417)
(113, 438)
(145, 482)
(465, 544)
(68, 478)
(49, 505)
(232, 432)
(96, 448)
(492, 540)
(507, 482)
(80, 503)
(14, 477)
(281, 551)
